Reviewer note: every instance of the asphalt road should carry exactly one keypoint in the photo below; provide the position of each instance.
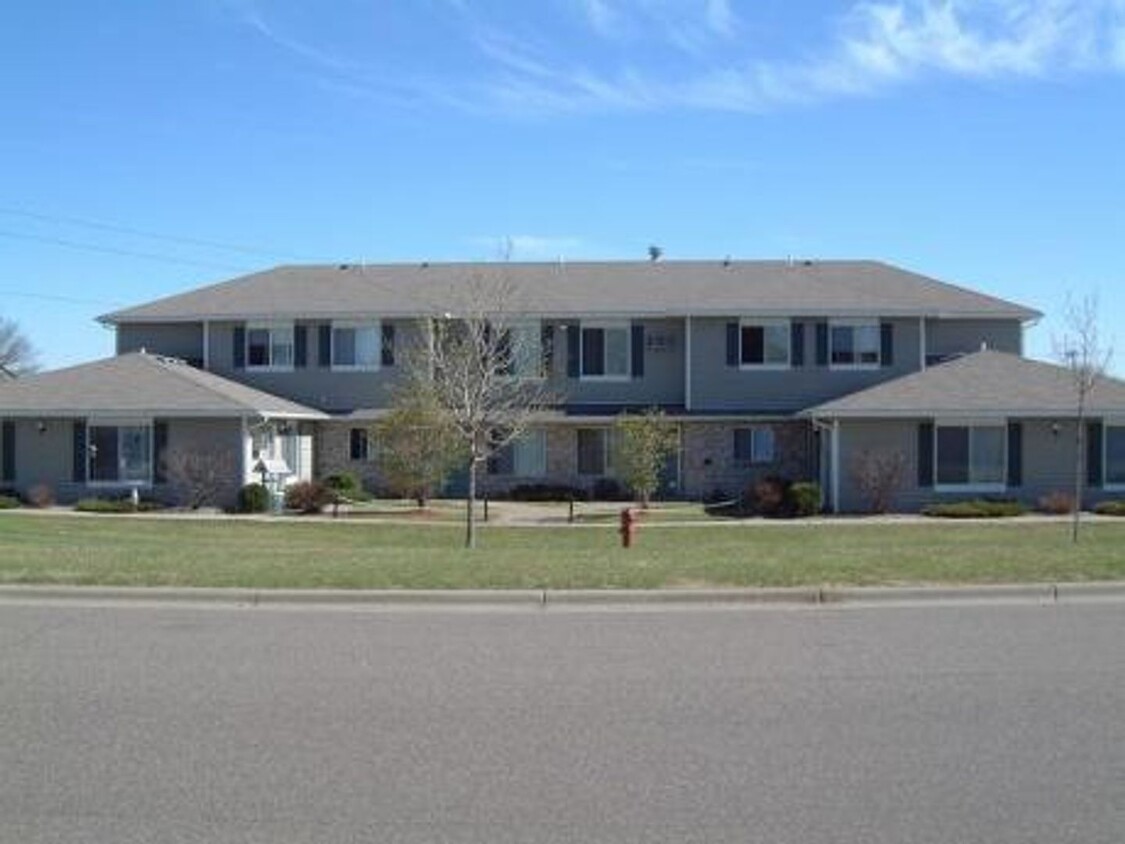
(924, 724)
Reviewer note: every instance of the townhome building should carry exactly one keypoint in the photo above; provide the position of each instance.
(805, 370)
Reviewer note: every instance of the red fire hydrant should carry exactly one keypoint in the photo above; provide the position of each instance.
(628, 527)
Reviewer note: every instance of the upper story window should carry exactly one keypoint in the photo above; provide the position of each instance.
(855, 344)
(356, 345)
(605, 350)
(269, 346)
(764, 343)
(523, 348)
(971, 455)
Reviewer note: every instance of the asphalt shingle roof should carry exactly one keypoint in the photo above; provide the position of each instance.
(636, 288)
(141, 383)
(986, 383)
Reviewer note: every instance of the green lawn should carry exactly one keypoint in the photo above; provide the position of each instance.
(116, 550)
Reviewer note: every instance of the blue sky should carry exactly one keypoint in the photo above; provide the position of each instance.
(149, 148)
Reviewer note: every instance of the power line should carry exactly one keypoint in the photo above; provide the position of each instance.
(171, 238)
(70, 300)
(129, 253)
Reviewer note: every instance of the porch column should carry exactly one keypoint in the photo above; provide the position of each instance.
(687, 363)
(836, 466)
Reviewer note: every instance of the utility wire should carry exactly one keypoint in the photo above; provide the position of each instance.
(171, 238)
(70, 300)
(111, 250)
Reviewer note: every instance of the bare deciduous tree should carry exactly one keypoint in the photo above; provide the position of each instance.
(17, 355)
(199, 477)
(482, 368)
(1081, 350)
(878, 475)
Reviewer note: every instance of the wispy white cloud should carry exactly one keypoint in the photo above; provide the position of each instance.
(528, 247)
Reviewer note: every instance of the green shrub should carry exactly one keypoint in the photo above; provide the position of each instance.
(308, 496)
(9, 502)
(978, 508)
(803, 499)
(116, 505)
(1111, 508)
(547, 492)
(253, 498)
(610, 489)
(344, 483)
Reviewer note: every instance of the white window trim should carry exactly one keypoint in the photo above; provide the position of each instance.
(983, 488)
(767, 323)
(107, 422)
(1107, 485)
(356, 323)
(270, 327)
(865, 322)
(606, 325)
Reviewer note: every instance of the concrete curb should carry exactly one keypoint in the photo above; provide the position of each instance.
(1039, 593)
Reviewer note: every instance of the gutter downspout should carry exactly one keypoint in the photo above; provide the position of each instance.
(207, 345)
(833, 485)
(922, 344)
(687, 363)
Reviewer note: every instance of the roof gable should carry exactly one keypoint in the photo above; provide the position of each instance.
(142, 384)
(638, 288)
(986, 383)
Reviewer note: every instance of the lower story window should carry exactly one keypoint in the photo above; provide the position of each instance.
(525, 457)
(1115, 454)
(754, 445)
(971, 455)
(359, 444)
(120, 454)
(596, 451)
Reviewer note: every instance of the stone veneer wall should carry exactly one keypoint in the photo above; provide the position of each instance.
(333, 454)
(708, 457)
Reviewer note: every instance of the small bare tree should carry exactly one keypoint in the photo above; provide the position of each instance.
(646, 442)
(1081, 350)
(17, 355)
(417, 444)
(878, 475)
(199, 477)
(482, 369)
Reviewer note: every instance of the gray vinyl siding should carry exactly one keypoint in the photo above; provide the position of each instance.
(963, 336)
(1048, 463)
(316, 385)
(175, 339)
(718, 387)
(661, 384)
(47, 457)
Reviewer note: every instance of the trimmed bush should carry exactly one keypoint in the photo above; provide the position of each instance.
(1111, 508)
(1057, 503)
(9, 502)
(116, 505)
(803, 499)
(41, 496)
(767, 497)
(978, 508)
(609, 489)
(308, 497)
(547, 492)
(344, 483)
(253, 498)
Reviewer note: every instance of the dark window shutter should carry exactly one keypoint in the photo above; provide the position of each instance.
(300, 346)
(573, 355)
(743, 444)
(8, 450)
(638, 350)
(546, 350)
(797, 344)
(78, 471)
(887, 344)
(239, 348)
(1015, 454)
(822, 344)
(1094, 454)
(359, 444)
(926, 455)
(324, 345)
(388, 350)
(593, 351)
(732, 344)
(159, 452)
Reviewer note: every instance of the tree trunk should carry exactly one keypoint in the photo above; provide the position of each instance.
(470, 514)
(1079, 468)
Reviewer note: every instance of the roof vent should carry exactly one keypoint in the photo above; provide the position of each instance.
(343, 266)
(807, 262)
(655, 253)
(425, 265)
(726, 261)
